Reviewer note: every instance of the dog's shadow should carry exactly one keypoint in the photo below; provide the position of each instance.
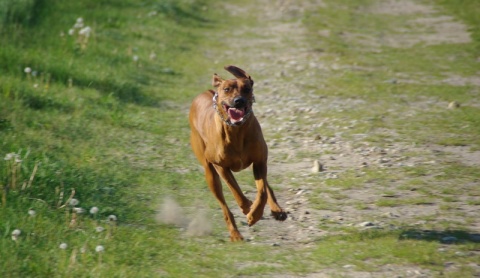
(445, 237)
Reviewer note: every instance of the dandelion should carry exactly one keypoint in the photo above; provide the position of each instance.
(79, 23)
(63, 246)
(99, 249)
(74, 202)
(153, 56)
(135, 58)
(9, 156)
(71, 32)
(78, 210)
(27, 70)
(93, 210)
(15, 234)
(99, 229)
(32, 213)
(112, 218)
(85, 31)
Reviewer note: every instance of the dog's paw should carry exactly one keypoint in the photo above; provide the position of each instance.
(279, 215)
(236, 236)
(253, 218)
(246, 208)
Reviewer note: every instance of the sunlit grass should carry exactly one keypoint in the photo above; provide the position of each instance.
(103, 119)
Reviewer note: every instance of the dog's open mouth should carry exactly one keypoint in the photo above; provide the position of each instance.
(235, 114)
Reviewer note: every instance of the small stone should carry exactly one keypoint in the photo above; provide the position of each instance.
(389, 215)
(300, 192)
(317, 167)
(275, 244)
(366, 224)
(453, 105)
(348, 266)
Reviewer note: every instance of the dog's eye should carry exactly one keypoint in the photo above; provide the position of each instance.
(226, 90)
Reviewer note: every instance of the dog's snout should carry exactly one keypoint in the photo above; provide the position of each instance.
(239, 102)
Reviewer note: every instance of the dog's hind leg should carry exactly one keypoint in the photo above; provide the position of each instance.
(215, 186)
(230, 180)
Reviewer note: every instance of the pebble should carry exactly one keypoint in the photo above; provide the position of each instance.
(366, 224)
(453, 105)
(317, 167)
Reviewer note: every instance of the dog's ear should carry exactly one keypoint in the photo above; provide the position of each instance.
(238, 73)
(217, 80)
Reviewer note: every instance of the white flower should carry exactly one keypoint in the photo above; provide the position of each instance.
(112, 218)
(63, 246)
(9, 156)
(71, 32)
(74, 202)
(93, 210)
(15, 234)
(27, 70)
(135, 58)
(99, 229)
(79, 210)
(79, 23)
(31, 212)
(99, 249)
(85, 31)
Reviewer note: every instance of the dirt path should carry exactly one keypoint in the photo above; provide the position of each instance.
(282, 62)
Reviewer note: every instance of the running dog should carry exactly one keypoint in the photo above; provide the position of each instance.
(226, 137)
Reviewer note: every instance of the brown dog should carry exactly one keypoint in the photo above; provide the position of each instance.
(225, 137)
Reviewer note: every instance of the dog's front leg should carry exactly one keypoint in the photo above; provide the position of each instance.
(264, 194)
(215, 186)
(260, 175)
(228, 177)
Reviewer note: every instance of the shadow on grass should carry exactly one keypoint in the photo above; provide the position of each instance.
(445, 237)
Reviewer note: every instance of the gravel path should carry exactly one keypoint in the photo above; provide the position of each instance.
(284, 65)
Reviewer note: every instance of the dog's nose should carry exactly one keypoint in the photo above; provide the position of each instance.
(239, 102)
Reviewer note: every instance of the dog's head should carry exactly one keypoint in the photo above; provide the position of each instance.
(234, 97)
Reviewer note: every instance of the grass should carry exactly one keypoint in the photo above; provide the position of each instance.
(103, 120)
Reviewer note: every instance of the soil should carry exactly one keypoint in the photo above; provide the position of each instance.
(292, 64)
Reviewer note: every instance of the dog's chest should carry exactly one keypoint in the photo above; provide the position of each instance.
(234, 157)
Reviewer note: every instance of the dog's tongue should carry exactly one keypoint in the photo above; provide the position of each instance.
(236, 114)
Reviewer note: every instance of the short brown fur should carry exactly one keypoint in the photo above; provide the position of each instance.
(222, 145)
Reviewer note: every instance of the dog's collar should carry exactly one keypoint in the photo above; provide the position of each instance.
(227, 121)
